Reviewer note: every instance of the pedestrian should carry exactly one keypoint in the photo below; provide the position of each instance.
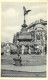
(29, 50)
(23, 47)
(18, 47)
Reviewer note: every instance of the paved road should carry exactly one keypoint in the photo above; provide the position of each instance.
(24, 68)
(23, 71)
(9, 73)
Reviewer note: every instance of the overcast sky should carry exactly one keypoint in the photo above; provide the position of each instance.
(12, 17)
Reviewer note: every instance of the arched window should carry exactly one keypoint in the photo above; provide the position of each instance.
(39, 29)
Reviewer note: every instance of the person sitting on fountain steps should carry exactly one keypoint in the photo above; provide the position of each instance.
(19, 57)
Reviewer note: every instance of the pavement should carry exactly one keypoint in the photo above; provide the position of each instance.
(41, 68)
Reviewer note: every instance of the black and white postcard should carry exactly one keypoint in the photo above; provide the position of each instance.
(24, 39)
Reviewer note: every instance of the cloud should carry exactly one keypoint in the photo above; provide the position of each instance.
(11, 17)
(9, 31)
(31, 18)
(9, 13)
(39, 6)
